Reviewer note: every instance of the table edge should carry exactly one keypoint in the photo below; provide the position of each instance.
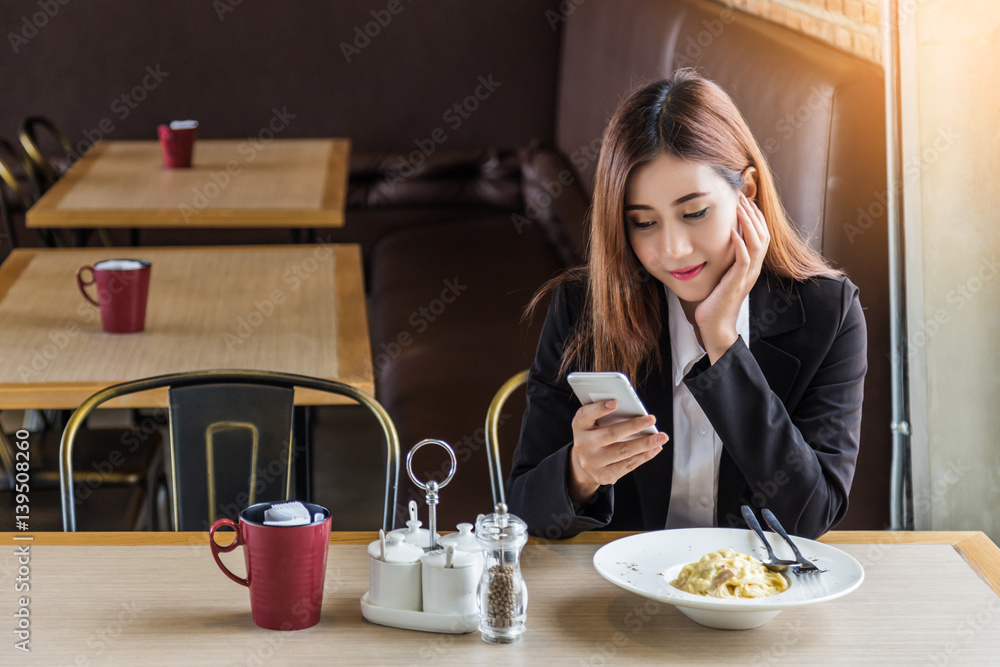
(975, 547)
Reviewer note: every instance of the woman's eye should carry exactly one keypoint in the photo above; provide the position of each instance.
(642, 225)
(696, 215)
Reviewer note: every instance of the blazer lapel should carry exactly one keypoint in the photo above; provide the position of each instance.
(775, 309)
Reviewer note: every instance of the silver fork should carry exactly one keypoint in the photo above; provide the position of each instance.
(805, 566)
(773, 563)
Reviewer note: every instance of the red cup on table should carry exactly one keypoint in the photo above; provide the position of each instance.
(177, 143)
(286, 565)
(122, 291)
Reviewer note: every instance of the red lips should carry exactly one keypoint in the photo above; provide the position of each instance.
(688, 273)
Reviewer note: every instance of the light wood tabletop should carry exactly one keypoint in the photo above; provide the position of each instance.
(293, 308)
(297, 183)
(159, 599)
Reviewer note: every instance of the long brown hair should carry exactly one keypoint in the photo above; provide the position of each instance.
(687, 117)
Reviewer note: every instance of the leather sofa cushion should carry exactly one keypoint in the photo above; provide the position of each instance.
(446, 304)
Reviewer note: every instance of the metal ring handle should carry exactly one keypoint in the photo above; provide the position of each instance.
(431, 441)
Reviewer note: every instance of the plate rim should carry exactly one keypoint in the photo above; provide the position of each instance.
(720, 604)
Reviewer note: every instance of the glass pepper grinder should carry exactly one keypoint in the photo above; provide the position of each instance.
(503, 597)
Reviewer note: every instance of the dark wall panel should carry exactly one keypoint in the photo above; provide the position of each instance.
(230, 63)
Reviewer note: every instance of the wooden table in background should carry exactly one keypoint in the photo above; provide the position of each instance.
(294, 308)
(159, 599)
(295, 183)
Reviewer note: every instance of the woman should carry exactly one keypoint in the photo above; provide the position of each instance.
(747, 349)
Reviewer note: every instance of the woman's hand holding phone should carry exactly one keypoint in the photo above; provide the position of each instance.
(716, 315)
(602, 454)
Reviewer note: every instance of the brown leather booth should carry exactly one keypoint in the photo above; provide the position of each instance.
(818, 113)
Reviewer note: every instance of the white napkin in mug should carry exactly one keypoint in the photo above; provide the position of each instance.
(287, 514)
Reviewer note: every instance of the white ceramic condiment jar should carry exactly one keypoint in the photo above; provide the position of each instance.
(413, 533)
(450, 579)
(465, 540)
(395, 581)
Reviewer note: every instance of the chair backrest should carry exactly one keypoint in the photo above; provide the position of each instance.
(231, 441)
(29, 137)
(246, 455)
(23, 190)
(493, 435)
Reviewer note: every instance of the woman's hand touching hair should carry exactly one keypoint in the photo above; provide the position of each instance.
(716, 315)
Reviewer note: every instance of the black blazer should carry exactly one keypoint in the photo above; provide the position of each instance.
(788, 412)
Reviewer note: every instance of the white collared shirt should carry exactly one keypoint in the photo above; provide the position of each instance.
(694, 486)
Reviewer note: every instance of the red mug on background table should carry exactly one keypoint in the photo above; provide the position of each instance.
(122, 289)
(286, 565)
(177, 143)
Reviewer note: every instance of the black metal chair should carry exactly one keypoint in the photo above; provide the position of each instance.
(493, 434)
(17, 193)
(231, 441)
(48, 173)
(48, 170)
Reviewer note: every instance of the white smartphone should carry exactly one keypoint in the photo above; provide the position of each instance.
(593, 387)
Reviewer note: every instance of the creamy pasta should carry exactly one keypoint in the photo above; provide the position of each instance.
(728, 574)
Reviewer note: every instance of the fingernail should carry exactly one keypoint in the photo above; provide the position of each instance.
(661, 438)
(649, 420)
(609, 404)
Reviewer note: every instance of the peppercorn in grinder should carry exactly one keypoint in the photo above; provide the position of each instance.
(503, 597)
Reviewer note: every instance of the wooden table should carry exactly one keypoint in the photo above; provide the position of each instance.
(159, 599)
(297, 183)
(293, 308)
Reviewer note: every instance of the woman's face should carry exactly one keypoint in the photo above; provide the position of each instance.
(679, 215)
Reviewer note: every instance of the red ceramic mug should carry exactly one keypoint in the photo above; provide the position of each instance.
(177, 143)
(122, 290)
(286, 566)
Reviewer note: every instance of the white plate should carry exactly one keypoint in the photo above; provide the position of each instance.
(418, 620)
(646, 564)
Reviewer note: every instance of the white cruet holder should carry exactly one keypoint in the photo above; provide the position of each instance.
(503, 597)
(432, 490)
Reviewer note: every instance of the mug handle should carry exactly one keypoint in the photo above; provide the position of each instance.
(216, 549)
(83, 284)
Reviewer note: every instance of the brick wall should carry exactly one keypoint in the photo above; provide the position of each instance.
(852, 25)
